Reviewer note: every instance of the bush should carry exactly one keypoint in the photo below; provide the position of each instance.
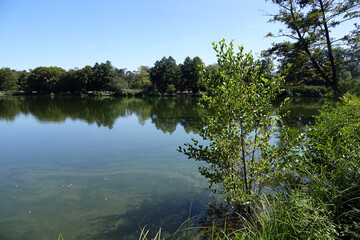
(332, 155)
(352, 86)
(321, 201)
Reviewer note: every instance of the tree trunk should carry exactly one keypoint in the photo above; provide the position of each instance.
(334, 81)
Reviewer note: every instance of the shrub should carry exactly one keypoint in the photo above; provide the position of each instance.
(332, 155)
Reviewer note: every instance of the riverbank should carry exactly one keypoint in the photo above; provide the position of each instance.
(123, 93)
(289, 91)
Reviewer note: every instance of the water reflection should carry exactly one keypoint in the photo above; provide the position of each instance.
(104, 111)
(301, 111)
(119, 180)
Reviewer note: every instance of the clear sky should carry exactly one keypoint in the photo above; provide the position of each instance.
(129, 33)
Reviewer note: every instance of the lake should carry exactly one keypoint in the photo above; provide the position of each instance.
(102, 168)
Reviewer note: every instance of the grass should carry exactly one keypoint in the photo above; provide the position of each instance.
(60, 237)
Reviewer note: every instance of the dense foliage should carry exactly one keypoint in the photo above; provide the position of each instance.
(237, 121)
(323, 201)
(312, 175)
(166, 77)
(313, 51)
(8, 79)
(332, 156)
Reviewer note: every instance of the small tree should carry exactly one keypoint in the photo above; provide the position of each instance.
(238, 124)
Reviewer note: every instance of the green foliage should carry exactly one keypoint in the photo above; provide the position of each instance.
(294, 215)
(332, 155)
(309, 25)
(60, 237)
(141, 79)
(103, 77)
(237, 121)
(170, 89)
(350, 85)
(8, 79)
(78, 81)
(45, 79)
(305, 91)
(190, 77)
(164, 73)
(321, 200)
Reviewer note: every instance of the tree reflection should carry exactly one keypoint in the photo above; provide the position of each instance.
(301, 111)
(165, 113)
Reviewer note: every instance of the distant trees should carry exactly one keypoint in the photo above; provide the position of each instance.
(103, 77)
(46, 79)
(141, 79)
(100, 77)
(166, 76)
(190, 74)
(78, 81)
(8, 79)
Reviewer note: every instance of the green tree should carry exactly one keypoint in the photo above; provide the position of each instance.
(309, 24)
(190, 74)
(22, 81)
(164, 73)
(238, 125)
(103, 77)
(195, 82)
(141, 79)
(46, 79)
(74, 81)
(8, 79)
(186, 72)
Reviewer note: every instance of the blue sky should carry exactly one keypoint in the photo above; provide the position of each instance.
(75, 33)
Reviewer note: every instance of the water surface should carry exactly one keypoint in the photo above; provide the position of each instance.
(101, 168)
(95, 168)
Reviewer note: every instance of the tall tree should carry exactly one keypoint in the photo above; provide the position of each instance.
(165, 74)
(103, 77)
(309, 25)
(195, 82)
(190, 74)
(186, 74)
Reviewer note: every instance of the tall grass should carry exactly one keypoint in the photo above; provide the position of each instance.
(294, 215)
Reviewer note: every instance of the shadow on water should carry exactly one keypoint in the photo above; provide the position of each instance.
(301, 111)
(167, 211)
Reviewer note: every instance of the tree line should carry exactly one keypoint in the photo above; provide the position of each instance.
(166, 76)
(310, 52)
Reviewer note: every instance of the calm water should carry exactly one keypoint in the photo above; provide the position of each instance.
(101, 168)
